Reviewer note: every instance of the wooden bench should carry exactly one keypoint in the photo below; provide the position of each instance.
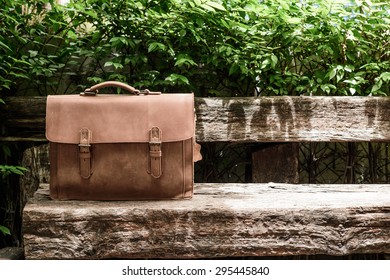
(229, 220)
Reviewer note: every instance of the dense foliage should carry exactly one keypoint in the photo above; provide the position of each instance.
(226, 47)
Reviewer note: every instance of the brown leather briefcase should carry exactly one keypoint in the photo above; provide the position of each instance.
(121, 147)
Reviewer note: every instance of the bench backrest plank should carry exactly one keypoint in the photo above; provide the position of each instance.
(293, 119)
(264, 119)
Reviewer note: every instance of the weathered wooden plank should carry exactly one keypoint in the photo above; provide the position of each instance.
(264, 119)
(222, 220)
(293, 119)
(23, 119)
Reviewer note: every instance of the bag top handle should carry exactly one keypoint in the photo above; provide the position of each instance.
(92, 91)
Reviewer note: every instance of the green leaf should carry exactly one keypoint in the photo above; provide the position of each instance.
(234, 68)
(385, 76)
(325, 88)
(5, 47)
(216, 6)
(332, 73)
(375, 88)
(156, 46)
(116, 65)
(33, 53)
(95, 80)
(8, 169)
(293, 20)
(117, 77)
(177, 79)
(274, 60)
(118, 41)
(225, 23)
(340, 75)
(20, 170)
(207, 7)
(5, 230)
(16, 171)
(371, 66)
(352, 82)
(349, 68)
(185, 59)
(284, 4)
(265, 63)
(92, 14)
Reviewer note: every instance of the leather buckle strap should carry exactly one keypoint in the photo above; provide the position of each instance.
(155, 154)
(85, 153)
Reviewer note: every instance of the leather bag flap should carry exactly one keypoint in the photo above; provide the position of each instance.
(119, 118)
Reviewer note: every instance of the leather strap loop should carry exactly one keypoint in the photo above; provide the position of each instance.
(155, 154)
(85, 153)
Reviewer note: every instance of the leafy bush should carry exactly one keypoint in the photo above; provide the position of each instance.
(223, 48)
(31, 40)
(5, 171)
(233, 47)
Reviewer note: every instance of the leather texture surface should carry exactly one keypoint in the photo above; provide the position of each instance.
(121, 147)
(119, 118)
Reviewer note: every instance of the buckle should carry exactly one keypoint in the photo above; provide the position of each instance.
(148, 92)
(84, 145)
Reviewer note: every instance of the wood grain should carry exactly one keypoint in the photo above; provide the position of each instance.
(293, 119)
(222, 220)
(264, 119)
